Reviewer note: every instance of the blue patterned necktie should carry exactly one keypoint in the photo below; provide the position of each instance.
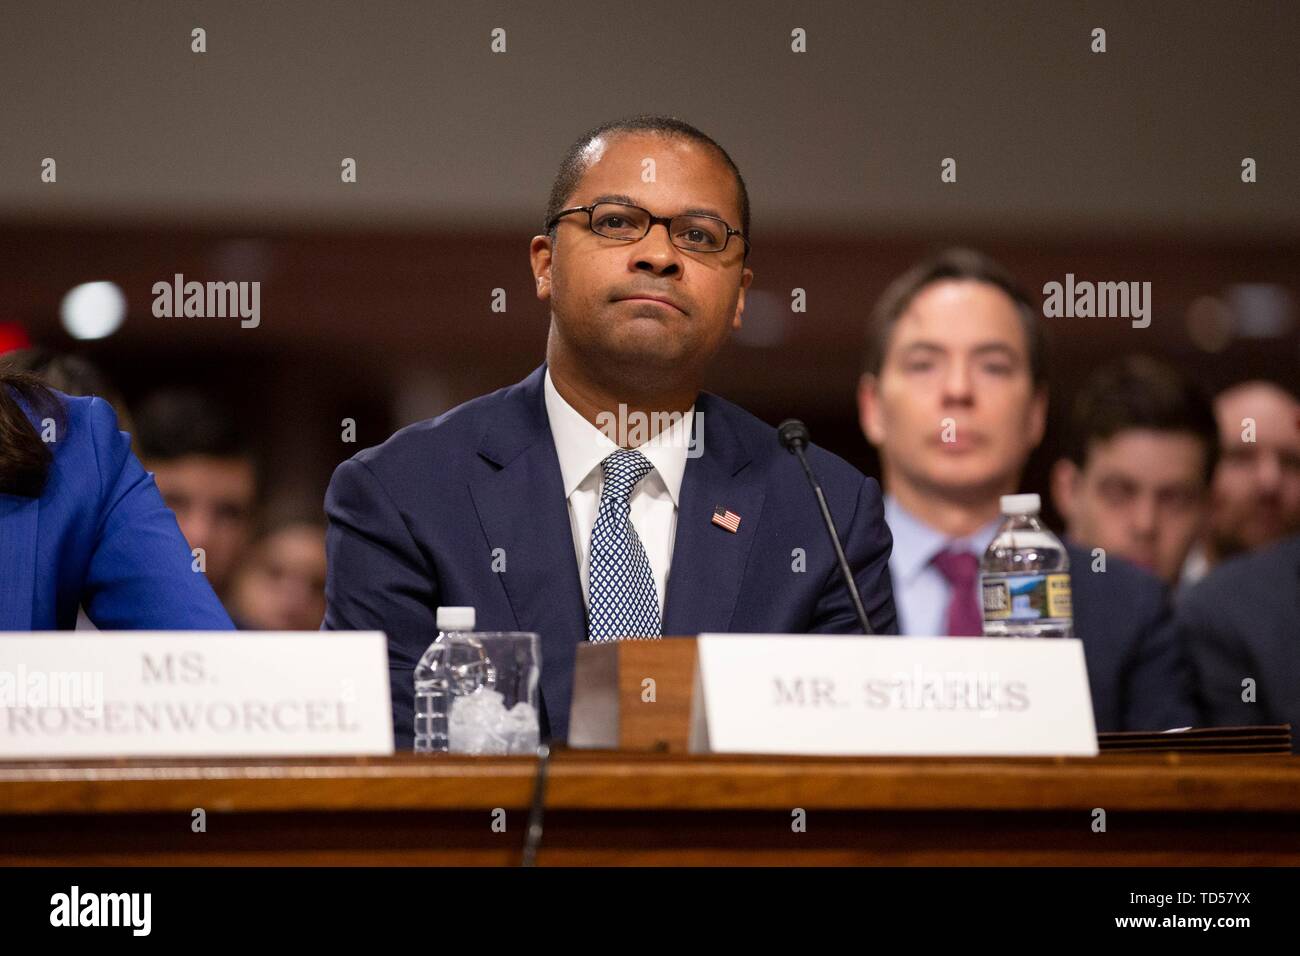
(623, 600)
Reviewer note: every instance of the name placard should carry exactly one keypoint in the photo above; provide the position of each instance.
(824, 695)
(194, 693)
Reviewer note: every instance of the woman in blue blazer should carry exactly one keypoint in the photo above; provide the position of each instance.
(82, 523)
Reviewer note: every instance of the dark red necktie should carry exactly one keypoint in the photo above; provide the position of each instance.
(959, 569)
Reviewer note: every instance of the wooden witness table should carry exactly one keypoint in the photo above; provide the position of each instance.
(637, 808)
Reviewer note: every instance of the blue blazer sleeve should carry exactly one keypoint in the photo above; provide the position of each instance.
(379, 580)
(867, 545)
(139, 574)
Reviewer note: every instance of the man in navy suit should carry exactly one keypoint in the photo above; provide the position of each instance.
(1242, 626)
(954, 396)
(606, 495)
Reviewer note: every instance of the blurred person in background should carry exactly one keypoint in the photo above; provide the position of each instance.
(954, 397)
(1241, 623)
(82, 524)
(281, 584)
(73, 375)
(1241, 620)
(1140, 455)
(206, 474)
(1256, 490)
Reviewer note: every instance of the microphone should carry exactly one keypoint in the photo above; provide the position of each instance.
(537, 810)
(793, 435)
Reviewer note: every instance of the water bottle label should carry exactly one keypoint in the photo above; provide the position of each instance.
(1026, 597)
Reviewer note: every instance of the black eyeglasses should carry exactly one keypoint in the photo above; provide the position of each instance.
(615, 220)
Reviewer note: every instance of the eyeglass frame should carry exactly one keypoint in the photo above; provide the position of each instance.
(665, 221)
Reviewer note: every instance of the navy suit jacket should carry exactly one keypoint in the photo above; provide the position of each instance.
(99, 537)
(414, 524)
(1137, 668)
(1243, 621)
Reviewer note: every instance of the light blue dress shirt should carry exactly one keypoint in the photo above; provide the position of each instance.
(921, 593)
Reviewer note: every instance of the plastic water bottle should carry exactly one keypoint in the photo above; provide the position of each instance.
(1025, 576)
(435, 678)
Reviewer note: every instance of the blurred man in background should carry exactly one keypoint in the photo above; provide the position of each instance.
(1242, 619)
(1135, 480)
(954, 397)
(206, 474)
(281, 585)
(1241, 625)
(1257, 483)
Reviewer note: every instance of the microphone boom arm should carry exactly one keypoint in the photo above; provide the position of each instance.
(793, 434)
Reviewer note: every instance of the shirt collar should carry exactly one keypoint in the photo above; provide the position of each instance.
(916, 543)
(581, 446)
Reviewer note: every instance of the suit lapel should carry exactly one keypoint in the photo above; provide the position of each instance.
(709, 561)
(522, 510)
(18, 558)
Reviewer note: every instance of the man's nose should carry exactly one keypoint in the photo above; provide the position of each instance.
(1143, 518)
(655, 252)
(196, 525)
(957, 383)
(1268, 473)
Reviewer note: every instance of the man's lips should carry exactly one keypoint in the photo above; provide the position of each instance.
(961, 442)
(651, 298)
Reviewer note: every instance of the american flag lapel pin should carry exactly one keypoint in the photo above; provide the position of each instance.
(726, 519)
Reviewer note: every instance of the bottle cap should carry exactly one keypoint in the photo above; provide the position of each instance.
(1021, 504)
(455, 619)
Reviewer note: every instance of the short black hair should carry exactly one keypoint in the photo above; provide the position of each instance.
(958, 264)
(573, 165)
(178, 423)
(1137, 391)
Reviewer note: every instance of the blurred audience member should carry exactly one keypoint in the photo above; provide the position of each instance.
(1139, 460)
(281, 585)
(1242, 627)
(206, 474)
(1257, 484)
(82, 524)
(954, 396)
(73, 375)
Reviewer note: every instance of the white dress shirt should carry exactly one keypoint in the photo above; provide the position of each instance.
(921, 593)
(581, 447)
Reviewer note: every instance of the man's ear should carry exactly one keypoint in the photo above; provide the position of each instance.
(1037, 416)
(1065, 489)
(746, 277)
(869, 418)
(539, 257)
